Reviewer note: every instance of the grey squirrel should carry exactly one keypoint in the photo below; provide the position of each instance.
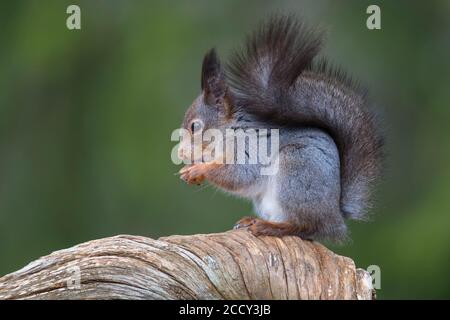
(330, 143)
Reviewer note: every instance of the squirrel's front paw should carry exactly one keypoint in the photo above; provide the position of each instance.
(193, 174)
(196, 173)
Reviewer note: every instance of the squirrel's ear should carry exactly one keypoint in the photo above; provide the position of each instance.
(213, 80)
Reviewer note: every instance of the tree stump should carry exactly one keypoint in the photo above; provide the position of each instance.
(230, 265)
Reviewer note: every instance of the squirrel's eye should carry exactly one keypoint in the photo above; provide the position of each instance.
(196, 126)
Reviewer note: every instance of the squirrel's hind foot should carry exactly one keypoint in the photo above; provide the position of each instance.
(245, 222)
(274, 229)
(259, 227)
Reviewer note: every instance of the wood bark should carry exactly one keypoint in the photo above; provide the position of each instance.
(230, 265)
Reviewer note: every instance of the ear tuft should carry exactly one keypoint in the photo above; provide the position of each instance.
(211, 67)
(213, 79)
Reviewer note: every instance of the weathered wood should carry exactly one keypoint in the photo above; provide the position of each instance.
(230, 265)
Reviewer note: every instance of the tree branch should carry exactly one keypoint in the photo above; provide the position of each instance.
(230, 265)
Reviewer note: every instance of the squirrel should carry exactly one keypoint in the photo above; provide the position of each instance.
(330, 144)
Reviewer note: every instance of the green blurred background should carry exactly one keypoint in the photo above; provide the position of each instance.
(86, 118)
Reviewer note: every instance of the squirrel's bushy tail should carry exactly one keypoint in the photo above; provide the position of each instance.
(268, 79)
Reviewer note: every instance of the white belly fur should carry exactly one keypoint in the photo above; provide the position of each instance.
(268, 207)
